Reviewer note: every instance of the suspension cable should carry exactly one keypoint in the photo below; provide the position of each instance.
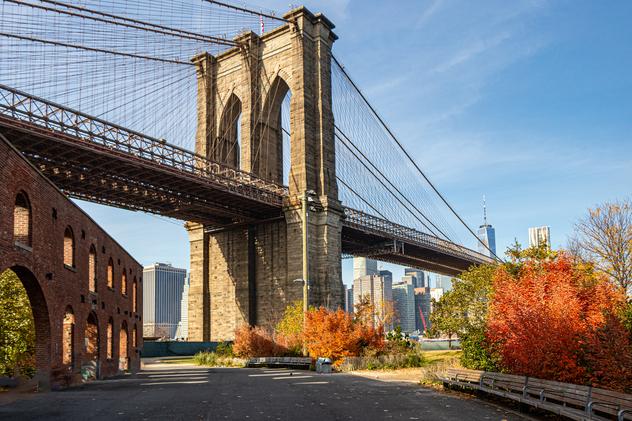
(401, 147)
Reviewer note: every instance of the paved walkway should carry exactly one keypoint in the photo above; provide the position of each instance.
(186, 392)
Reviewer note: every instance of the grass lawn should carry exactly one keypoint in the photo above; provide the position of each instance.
(182, 360)
(436, 357)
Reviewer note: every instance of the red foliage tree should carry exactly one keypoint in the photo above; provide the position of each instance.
(334, 334)
(256, 342)
(550, 320)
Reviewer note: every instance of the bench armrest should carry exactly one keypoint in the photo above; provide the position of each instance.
(589, 408)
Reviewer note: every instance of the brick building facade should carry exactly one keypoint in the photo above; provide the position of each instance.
(85, 289)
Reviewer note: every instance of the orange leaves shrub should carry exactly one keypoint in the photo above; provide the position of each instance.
(256, 342)
(334, 334)
(551, 320)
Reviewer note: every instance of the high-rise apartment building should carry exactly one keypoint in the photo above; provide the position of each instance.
(363, 266)
(420, 277)
(423, 309)
(349, 300)
(486, 235)
(404, 305)
(539, 236)
(386, 274)
(183, 327)
(162, 296)
(377, 289)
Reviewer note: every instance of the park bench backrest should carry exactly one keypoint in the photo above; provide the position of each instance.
(465, 375)
(609, 402)
(506, 382)
(567, 394)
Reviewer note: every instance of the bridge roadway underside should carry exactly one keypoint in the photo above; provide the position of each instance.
(359, 242)
(103, 175)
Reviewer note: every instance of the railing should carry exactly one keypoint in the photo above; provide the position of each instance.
(48, 115)
(369, 223)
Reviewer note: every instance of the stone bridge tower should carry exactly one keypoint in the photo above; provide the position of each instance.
(245, 274)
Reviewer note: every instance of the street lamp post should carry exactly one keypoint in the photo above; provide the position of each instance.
(307, 197)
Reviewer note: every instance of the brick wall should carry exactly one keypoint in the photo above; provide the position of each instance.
(60, 295)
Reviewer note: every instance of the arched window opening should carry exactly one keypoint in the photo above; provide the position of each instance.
(134, 305)
(134, 338)
(110, 273)
(22, 220)
(271, 160)
(68, 339)
(227, 146)
(69, 248)
(109, 340)
(92, 269)
(124, 282)
(123, 350)
(91, 354)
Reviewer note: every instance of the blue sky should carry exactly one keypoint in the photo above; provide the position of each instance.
(526, 102)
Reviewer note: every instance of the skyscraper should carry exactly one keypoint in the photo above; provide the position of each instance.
(363, 266)
(377, 289)
(349, 300)
(539, 235)
(183, 326)
(404, 304)
(422, 308)
(420, 277)
(162, 296)
(486, 235)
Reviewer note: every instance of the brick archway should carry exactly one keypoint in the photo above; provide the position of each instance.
(41, 317)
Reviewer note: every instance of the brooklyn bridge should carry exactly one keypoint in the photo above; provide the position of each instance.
(242, 124)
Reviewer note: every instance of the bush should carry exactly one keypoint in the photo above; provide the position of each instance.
(477, 353)
(552, 320)
(213, 359)
(256, 342)
(409, 359)
(224, 349)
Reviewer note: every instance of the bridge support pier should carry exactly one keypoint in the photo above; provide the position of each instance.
(245, 274)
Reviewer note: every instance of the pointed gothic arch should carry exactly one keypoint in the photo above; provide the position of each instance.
(227, 146)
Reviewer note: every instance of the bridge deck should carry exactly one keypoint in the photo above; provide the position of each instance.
(101, 162)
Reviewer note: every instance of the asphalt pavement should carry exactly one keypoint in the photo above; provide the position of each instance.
(185, 392)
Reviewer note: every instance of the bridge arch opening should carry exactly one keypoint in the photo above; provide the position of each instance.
(227, 148)
(22, 220)
(273, 146)
(90, 364)
(24, 325)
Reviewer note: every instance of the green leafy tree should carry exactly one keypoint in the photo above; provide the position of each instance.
(17, 328)
(462, 311)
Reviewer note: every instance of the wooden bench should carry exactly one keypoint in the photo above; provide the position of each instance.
(565, 399)
(289, 362)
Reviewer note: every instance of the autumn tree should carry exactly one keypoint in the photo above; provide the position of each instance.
(336, 335)
(17, 328)
(604, 236)
(289, 330)
(548, 317)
